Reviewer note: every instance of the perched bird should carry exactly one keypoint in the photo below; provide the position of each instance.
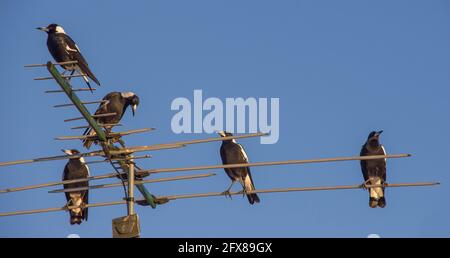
(114, 102)
(232, 152)
(64, 49)
(374, 171)
(76, 169)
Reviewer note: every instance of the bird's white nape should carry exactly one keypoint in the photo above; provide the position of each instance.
(60, 29)
(127, 94)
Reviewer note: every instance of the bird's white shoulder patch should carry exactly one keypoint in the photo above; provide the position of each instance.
(104, 105)
(384, 152)
(127, 94)
(87, 168)
(243, 152)
(71, 49)
(60, 29)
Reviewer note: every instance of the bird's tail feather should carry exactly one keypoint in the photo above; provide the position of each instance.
(248, 185)
(85, 69)
(87, 83)
(382, 202)
(76, 214)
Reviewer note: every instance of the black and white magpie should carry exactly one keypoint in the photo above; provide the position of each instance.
(76, 168)
(232, 152)
(64, 49)
(374, 171)
(114, 102)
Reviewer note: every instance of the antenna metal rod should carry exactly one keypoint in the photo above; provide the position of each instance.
(274, 163)
(215, 139)
(23, 188)
(43, 65)
(110, 135)
(137, 182)
(116, 159)
(176, 197)
(168, 170)
(60, 91)
(130, 200)
(93, 116)
(300, 189)
(62, 76)
(87, 126)
(60, 209)
(128, 150)
(184, 143)
(84, 103)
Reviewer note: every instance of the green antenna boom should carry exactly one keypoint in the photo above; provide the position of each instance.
(76, 101)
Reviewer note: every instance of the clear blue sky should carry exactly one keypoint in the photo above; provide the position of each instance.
(340, 69)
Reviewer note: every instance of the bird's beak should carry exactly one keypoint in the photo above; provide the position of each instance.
(42, 28)
(68, 152)
(133, 108)
(222, 133)
(379, 132)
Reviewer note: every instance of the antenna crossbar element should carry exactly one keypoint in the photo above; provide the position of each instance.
(84, 103)
(92, 205)
(137, 182)
(128, 150)
(110, 135)
(119, 151)
(274, 163)
(299, 189)
(60, 91)
(62, 76)
(102, 125)
(184, 143)
(23, 188)
(163, 199)
(117, 159)
(143, 173)
(93, 116)
(43, 65)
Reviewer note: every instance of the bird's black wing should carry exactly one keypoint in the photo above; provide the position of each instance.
(244, 159)
(66, 177)
(75, 53)
(102, 109)
(86, 193)
(384, 165)
(86, 201)
(223, 155)
(364, 163)
(252, 198)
